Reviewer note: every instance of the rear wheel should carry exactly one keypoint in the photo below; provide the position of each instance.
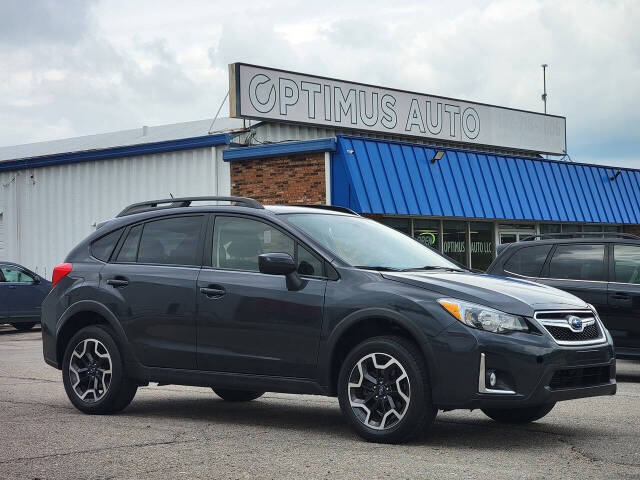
(23, 327)
(518, 415)
(93, 372)
(384, 390)
(237, 395)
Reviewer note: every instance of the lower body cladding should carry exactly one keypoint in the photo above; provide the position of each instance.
(478, 369)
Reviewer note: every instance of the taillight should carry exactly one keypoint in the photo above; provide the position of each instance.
(60, 272)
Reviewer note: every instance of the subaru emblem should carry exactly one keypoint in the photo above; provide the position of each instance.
(575, 322)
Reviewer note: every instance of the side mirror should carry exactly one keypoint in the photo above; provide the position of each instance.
(36, 281)
(281, 264)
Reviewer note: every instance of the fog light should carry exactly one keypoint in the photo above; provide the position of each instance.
(492, 379)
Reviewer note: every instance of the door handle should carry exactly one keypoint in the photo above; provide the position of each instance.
(12, 287)
(213, 291)
(620, 296)
(117, 282)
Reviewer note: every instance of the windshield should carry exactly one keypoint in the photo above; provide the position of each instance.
(365, 243)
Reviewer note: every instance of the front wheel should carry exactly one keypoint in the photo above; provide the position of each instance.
(384, 390)
(93, 372)
(518, 415)
(23, 327)
(237, 395)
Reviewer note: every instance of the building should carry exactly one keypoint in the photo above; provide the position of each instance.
(460, 176)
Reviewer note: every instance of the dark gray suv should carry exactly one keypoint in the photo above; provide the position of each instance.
(245, 299)
(601, 269)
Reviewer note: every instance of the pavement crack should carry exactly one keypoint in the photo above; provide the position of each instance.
(173, 441)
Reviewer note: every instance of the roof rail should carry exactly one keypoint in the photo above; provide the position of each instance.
(334, 208)
(185, 202)
(544, 236)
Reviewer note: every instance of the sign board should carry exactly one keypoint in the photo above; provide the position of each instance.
(269, 94)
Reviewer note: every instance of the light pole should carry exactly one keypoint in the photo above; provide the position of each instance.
(544, 86)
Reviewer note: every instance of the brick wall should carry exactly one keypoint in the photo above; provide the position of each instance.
(276, 180)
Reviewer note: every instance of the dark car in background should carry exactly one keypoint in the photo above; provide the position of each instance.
(247, 298)
(21, 294)
(602, 269)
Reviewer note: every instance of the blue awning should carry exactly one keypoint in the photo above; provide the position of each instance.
(386, 177)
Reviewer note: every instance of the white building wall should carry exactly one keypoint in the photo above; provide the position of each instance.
(47, 211)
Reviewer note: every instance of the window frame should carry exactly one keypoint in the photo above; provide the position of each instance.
(612, 261)
(207, 260)
(128, 228)
(605, 268)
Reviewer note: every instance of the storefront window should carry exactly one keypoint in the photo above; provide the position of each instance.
(549, 228)
(571, 228)
(612, 228)
(455, 240)
(481, 245)
(427, 232)
(592, 228)
(401, 224)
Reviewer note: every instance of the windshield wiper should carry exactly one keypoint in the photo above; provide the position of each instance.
(434, 267)
(378, 268)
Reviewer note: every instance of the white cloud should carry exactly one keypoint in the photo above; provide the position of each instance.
(101, 66)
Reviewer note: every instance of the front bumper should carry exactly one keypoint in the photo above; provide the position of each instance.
(528, 370)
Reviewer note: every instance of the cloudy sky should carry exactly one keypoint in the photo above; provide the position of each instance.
(79, 67)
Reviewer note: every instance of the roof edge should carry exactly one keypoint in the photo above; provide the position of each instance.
(116, 152)
(278, 149)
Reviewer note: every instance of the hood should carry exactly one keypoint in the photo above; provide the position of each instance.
(510, 295)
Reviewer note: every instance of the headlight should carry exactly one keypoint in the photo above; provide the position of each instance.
(483, 318)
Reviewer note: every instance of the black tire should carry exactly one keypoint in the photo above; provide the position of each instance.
(236, 395)
(120, 390)
(419, 413)
(518, 415)
(23, 327)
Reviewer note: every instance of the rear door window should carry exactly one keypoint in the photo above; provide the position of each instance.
(171, 241)
(626, 260)
(528, 261)
(578, 262)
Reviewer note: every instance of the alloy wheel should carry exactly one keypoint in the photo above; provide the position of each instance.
(379, 391)
(90, 370)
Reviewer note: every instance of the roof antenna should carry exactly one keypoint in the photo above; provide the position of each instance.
(171, 195)
(218, 112)
(544, 86)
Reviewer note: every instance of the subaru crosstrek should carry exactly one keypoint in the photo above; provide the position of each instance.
(246, 299)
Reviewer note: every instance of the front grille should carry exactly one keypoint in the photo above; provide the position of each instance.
(580, 377)
(590, 332)
(559, 324)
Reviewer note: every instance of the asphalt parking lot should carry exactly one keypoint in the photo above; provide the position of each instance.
(184, 432)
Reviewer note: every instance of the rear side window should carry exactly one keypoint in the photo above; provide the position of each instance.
(129, 250)
(103, 247)
(171, 241)
(578, 262)
(528, 261)
(626, 263)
